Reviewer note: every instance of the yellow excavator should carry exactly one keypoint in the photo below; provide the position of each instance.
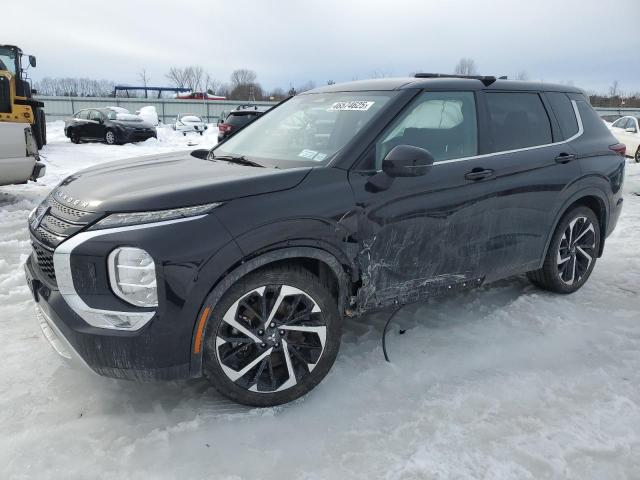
(17, 104)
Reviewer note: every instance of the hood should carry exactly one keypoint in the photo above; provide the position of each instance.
(134, 122)
(160, 182)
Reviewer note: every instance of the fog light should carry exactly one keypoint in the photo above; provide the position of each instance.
(132, 275)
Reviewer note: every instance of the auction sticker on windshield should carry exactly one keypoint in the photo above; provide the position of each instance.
(356, 105)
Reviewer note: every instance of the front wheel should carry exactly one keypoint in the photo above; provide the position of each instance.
(110, 137)
(637, 155)
(272, 337)
(572, 253)
(73, 136)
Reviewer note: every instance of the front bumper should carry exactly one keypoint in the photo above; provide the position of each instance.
(131, 136)
(107, 353)
(162, 348)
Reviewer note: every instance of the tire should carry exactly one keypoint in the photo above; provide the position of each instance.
(110, 137)
(637, 155)
(36, 128)
(572, 253)
(73, 136)
(43, 123)
(290, 356)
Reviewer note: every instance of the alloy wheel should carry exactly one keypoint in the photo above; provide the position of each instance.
(637, 156)
(110, 137)
(271, 338)
(576, 250)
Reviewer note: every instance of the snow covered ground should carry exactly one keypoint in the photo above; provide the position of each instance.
(504, 382)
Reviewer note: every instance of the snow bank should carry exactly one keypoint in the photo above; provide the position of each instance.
(504, 382)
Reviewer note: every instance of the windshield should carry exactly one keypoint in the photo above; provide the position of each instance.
(308, 128)
(8, 60)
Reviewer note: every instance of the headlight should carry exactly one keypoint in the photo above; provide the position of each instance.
(132, 275)
(136, 218)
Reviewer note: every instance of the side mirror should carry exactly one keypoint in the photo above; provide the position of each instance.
(407, 161)
(101, 120)
(201, 153)
(32, 61)
(630, 130)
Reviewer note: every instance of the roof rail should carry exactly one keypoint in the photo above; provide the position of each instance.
(486, 80)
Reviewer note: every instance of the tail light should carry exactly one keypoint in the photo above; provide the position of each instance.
(619, 148)
(224, 127)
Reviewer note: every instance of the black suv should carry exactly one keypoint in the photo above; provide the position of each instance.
(238, 264)
(109, 126)
(238, 118)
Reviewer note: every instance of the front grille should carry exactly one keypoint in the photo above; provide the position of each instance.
(59, 223)
(45, 260)
(5, 98)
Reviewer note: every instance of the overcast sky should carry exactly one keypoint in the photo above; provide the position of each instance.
(588, 42)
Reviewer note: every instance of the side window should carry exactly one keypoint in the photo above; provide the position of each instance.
(633, 123)
(563, 109)
(517, 120)
(95, 115)
(83, 115)
(442, 122)
(620, 123)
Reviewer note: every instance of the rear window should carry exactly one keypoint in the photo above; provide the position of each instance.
(517, 120)
(563, 109)
(239, 119)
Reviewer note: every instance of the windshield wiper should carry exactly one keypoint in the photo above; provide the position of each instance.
(240, 160)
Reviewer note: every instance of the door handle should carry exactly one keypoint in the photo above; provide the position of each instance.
(565, 158)
(479, 174)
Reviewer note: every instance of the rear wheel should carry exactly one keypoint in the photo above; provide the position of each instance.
(272, 337)
(572, 253)
(637, 155)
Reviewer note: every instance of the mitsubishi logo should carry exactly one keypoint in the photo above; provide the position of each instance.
(37, 220)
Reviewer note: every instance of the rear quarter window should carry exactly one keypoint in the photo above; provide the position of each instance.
(517, 120)
(563, 110)
(591, 121)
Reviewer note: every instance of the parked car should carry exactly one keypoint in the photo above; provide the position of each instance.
(627, 131)
(239, 263)
(238, 118)
(106, 125)
(119, 109)
(188, 122)
(19, 160)
(149, 115)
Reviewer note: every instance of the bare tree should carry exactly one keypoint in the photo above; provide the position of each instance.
(243, 76)
(176, 77)
(144, 79)
(211, 85)
(244, 85)
(466, 66)
(522, 75)
(310, 85)
(614, 89)
(380, 74)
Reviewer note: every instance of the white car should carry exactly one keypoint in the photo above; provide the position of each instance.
(188, 122)
(627, 131)
(118, 109)
(149, 115)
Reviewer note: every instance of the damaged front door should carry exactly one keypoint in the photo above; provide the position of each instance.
(420, 236)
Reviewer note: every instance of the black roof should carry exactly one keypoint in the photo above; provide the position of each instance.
(442, 83)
